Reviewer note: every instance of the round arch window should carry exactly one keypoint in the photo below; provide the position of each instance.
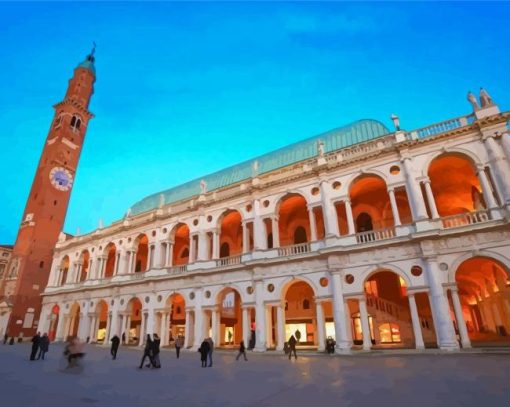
(270, 288)
(248, 208)
(324, 282)
(209, 218)
(147, 299)
(337, 185)
(394, 170)
(249, 290)
(207, 294)
(195, 222)
(349, 279)
(160, 298)
(416, 271)
(315, 191)
(192, 295)
(265, 203)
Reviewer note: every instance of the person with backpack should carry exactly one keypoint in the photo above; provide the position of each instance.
(242, 351)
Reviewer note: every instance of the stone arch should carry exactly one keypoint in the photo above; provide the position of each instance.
(292, 211)
(351, 180)
(101, 310)
(368, 193)
(110, 251)
(54, 321)
(474, 159)
(230, 224)
(285, 284)
(84, 259)
(367, 274)
(230, 330)
(176, 306)
(134, 307)
(505, 261)
(180, 235)
(64, 270)
(455, 183)
(141, 245)
(74, 319)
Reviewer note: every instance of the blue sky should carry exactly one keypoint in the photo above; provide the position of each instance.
(185, 89)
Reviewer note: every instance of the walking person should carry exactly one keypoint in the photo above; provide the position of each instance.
(179, 342)
(6, 336)
(35, 345)
(147, 352)
(155, 351)
(204, 352)
(124, 338)
(242, 351)
(115, 346)
(211, 348)
(44, 345)
(292, 347)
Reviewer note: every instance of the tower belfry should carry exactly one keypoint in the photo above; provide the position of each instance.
(46, 207)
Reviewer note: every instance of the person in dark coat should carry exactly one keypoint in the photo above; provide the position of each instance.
(292, 347)
(211, 348)
(147, 352)
(155, 351)
(123, 337)
(242, 351)
(204, 351)
(6, 336)
(44, 345)
(179, 342)
(35, 345)
(115, 346)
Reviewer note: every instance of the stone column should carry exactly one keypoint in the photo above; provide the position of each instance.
(351, 230)
(158, 246)
(187, 330)
(215, 325)
(486, 188)
(280, 322)
(321, 327)
(143, 330)
(246, 237)
(128, 328)
(275, 231)
(431, 200)
(394, 207)
(505, 143)
(418, 209)
(169, 254)
(328, 211)
(246, 326)
(77, 272)
(415, 319)
(459, 316)
(259, 228)
(93, 332)
(500, 166)
(216, 244)
(109, 318)
(260, 318)
(269, 326)
(150, 322)
(116, 263)
(343, 339)
(192, 255)
(61, 327)
(439, 305)
(202, 246)
(313, 225)
(198, 334)
(120, 328)
(43, 325)
(365, 325)
(132, 260)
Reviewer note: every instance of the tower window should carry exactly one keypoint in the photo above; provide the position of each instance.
(41, 264)
(75, 123)
(54, 203)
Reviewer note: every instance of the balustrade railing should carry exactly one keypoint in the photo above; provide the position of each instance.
(228, 261)
(442, 127)
(463, 219)
(375, 235)
(294, 249)
(178, 269)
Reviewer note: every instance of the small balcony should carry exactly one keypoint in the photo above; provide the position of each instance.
(464, 219)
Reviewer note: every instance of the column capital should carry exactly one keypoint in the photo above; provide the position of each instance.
(320, 300)
(248, 305)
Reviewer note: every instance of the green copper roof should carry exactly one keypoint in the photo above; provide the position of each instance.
(354, 133)
(88, 63)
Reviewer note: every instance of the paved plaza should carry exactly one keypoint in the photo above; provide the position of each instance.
(265, 380)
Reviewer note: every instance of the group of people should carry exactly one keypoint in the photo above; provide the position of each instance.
(151, 351)
(39, 343)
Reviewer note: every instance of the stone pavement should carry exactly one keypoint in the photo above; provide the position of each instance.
(413, 380)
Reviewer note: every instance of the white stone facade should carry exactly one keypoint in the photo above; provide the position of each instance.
(425, 250)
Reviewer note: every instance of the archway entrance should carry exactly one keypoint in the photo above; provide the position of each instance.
(84, 265)
(134, 321)
(483, 286)
(111, 253)
(102, 322)
(142, 254)
(177, 309)
(230, 329)
(74, 320)
(389, 314)
(52, 331)
(231, 234)
(300, 315)
(181, 252)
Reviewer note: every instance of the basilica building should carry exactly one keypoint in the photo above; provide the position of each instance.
(377, 238)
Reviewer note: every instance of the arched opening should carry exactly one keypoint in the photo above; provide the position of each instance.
(134, 321)
(74, 320)
(369, 199)
(300, 235)
(111, 253)
(180, 236)
(364, 222)
(230, 330)
(455, 185)
(177, 308)
(293, 214)
(483, 286)
(64, 268)
(389, 314)
(231, 234)
(102, 322)
(52, 331)
(300, 314)
(85, 263)
(142, 253)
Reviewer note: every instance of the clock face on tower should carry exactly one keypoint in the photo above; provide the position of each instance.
(61, 178)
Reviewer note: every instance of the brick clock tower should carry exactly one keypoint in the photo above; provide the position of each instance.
(46, 207)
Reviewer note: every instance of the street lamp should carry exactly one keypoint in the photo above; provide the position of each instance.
(396, 121)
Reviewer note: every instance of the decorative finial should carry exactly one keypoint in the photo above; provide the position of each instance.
(128, 213)
(472, 100)
(161, 200)
(203, 187)
(255, 168)
(396, 121)
(100, 225)
(485, 98)
(93, 48)
(320, 148)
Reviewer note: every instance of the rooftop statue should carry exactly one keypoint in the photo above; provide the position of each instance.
(255, 168)
(485, 98)
(161, 200)
(203, 187)
(472, 99)
(320, 148)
